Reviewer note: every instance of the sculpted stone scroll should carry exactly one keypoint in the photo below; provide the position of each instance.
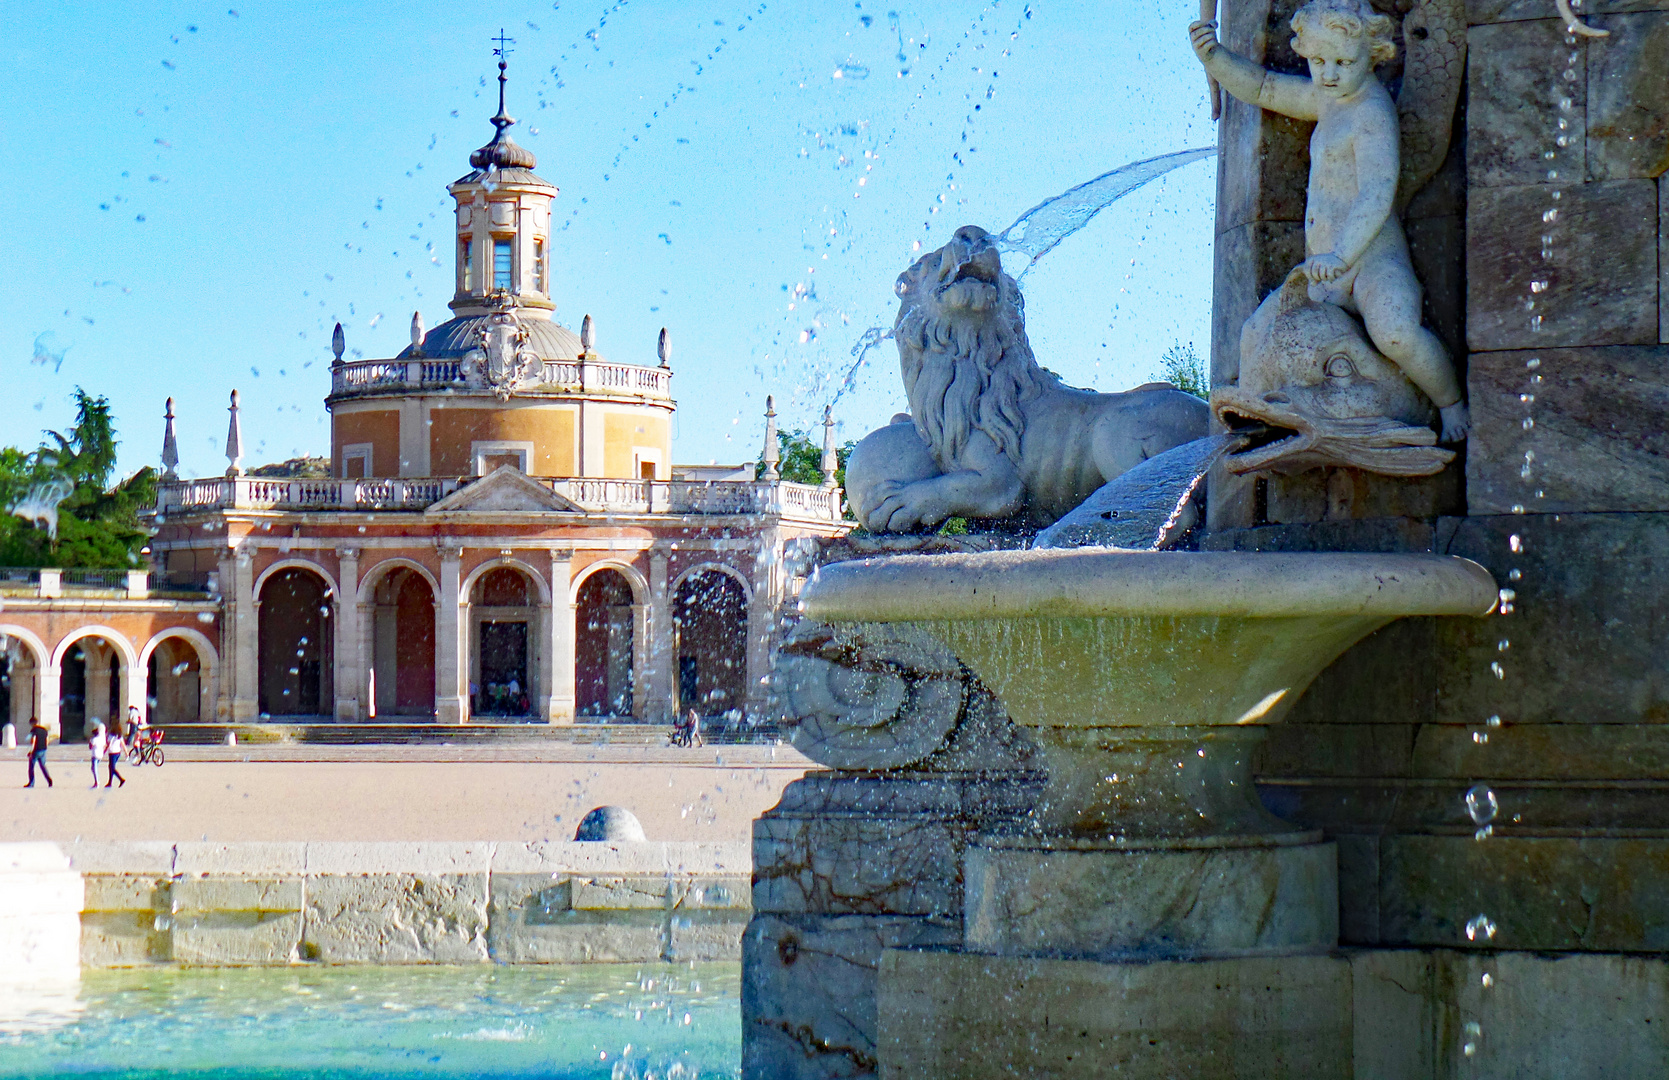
(990, 434)
(1368, 155)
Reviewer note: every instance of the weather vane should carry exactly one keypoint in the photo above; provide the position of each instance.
(501, 52)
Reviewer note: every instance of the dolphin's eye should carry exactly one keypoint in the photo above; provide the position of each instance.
(1338, 366)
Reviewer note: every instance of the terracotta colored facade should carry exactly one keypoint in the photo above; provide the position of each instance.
(503, 536)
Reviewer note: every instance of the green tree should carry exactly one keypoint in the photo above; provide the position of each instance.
(802, 460)
(1183, 369)
(98, 524)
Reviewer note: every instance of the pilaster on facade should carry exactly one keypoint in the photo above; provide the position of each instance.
(351, 654)
(659, 703)
(245, 622)
(451, 667)
(560, 707)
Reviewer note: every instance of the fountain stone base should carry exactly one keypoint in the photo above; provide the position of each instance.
(953, 1015)
(1275, 894)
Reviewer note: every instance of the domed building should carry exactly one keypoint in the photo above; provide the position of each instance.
(503, 536)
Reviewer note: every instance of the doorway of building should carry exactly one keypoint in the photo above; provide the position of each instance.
(502, 610)
(603, 645)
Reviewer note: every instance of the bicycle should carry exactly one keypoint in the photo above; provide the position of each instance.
(147, 747)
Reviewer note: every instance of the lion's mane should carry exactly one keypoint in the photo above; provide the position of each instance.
(960, 377)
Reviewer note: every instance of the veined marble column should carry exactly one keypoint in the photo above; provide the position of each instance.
(450, 668)
(245, 625)
(662, 664)
(560, 688)
(350, 659)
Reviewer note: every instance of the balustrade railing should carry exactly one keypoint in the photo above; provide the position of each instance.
(594, 494)
(561, 376)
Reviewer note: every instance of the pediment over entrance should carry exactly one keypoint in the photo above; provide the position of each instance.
(504, 490)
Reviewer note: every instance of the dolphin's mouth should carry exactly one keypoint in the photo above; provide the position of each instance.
(1281, 438)
(1270, 434)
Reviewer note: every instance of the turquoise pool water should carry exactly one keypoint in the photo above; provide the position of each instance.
(613, 1021)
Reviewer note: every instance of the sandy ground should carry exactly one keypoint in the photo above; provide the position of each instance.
(398, 793)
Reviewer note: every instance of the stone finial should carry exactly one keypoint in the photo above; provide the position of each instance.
(588, 336)
(338, 342)
(772, 454)
(831, 460)
(170, 445)
(234, 439)
(417, 333)
(663, 349)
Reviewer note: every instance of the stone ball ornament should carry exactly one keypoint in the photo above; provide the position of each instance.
(614, 823)
(870, 695)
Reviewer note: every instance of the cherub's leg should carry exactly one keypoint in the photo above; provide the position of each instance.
(1388, 295)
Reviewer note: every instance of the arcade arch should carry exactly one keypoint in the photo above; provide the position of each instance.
(402, 628)
(294, 642)
(606, 613)
(710, 632)
(181, 668)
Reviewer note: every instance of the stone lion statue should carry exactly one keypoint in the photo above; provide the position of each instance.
(989, 433)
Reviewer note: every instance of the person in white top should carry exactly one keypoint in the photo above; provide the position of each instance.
(95, 745)
(114, 748)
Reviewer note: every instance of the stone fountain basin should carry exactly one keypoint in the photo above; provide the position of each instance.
(1145, 676)
(1146, 680)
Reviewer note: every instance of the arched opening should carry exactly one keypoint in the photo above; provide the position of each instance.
(19, 682)
(403, 645)
(89, 686)
(603, 646)
(295, 645)
(710, 625)
(175, 674)
(503, 613)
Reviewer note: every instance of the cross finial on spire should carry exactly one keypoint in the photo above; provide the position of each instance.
(503, 53)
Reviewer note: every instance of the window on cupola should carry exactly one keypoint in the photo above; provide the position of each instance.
(539, 266)
(501, 264)
(464, 250)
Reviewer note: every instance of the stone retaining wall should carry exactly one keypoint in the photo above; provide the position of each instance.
(404, 903)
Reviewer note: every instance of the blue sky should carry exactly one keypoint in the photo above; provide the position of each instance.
(200, 191)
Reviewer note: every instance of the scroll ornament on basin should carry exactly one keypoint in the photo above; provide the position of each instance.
(870, 695)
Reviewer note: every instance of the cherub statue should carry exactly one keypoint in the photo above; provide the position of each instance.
(1356, 256)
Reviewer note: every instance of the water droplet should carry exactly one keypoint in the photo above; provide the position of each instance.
(1480, 737)
(1518, 508)
(1497, 670)
(1481, 805)
(1494, 721)
(1488, 980)
(1533, 363)
(1515, 542)
(1529, 422)
(1480, 926)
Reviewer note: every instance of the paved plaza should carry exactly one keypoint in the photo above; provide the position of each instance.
(410, 793)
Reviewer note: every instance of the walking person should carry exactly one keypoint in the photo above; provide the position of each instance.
(37, 751)
(114, 748)
(95, 747)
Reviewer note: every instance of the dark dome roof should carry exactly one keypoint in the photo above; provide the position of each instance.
(503, 153)
(454, 337)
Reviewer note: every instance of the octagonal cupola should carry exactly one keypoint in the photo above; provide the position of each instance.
(504, 226)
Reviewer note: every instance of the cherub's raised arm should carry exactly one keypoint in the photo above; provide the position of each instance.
(1289, 95)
